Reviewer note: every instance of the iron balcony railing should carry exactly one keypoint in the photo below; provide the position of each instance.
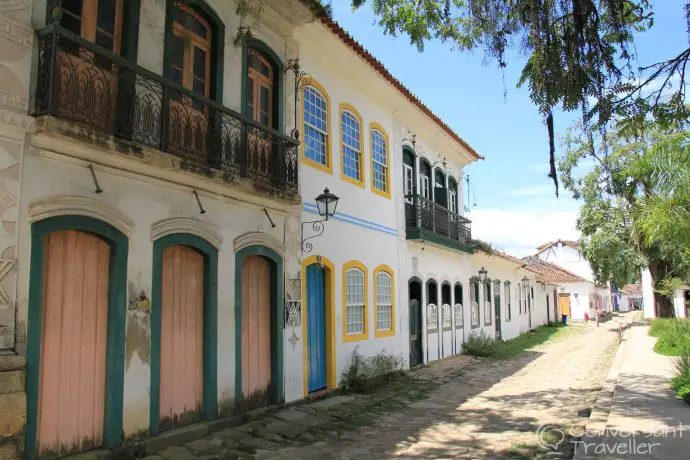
(422, 214)
(85, 83)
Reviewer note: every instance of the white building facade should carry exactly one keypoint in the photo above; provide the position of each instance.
(162, 245)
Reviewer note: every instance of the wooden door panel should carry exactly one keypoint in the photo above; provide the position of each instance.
(256, 331)
(316, 328)
(71, 403)
(182, 305)
(564, 304)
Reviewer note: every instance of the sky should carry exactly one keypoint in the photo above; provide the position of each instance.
(516, 207)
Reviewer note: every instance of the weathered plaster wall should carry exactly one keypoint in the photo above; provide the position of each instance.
(145, 202)
(16, 44)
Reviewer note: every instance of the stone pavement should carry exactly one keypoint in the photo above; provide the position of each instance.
(645, 419)
(492, 410)
(456, 408)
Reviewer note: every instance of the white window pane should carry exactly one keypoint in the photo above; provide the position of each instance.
(354, 300)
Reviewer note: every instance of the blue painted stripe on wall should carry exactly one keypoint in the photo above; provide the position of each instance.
(341, 217)
(312, 208)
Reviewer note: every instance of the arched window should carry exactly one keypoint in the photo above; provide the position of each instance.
(260, 88)
(409, 176)
(453, 195)
(506, 300)
(474, 299)
(352, 167)
(355, 296)
(488, 317)
(440, 188)
(190, 50)
(432, 305)
(425, 178)
(446, 312)
(98, 21)
(458, 306)
(317, 124)
(497, 295)
(385, 301)
(380, 182)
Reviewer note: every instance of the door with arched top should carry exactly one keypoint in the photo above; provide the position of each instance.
(256, 331)
(72, 376)
(181, 348)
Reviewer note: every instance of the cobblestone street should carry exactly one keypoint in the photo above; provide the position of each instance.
(456, 408)
(492, 410)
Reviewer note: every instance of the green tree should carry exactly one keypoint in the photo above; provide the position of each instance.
(636, 204)
(578, 51)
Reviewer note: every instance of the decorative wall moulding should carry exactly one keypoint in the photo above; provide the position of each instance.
(68, 205)
(189, 225)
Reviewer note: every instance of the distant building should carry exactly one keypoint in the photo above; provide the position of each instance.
(582, 292)
(566, 254)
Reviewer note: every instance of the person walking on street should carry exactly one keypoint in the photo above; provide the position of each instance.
(598, 315)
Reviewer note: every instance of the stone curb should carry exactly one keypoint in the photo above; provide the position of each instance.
(602, 407)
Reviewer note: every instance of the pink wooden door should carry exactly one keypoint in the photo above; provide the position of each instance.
(71, 384)
(256, 330)
(182, 306)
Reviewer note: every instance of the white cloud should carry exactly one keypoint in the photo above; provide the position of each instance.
(520, 232)
(533, 190)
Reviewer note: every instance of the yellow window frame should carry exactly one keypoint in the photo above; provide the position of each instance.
(365, 327)
(346, 107)
(391, 332)
(328, 167)
(377, 127)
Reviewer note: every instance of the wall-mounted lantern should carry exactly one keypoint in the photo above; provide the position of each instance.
(326, 203)
(482, 275)
(525, 282)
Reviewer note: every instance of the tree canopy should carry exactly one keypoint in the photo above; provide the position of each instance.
(580, 53)
(635, 191)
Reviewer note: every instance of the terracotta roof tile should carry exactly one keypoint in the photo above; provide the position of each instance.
(551, 273)
(355, 46)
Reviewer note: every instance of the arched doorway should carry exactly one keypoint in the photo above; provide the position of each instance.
(258, 327)
(77, 304)
(433, 345)
(183, 331)
(318, 323)
(446, 321)
(415, 305)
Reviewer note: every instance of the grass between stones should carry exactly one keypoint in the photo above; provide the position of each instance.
(365, 409)
(541, 336)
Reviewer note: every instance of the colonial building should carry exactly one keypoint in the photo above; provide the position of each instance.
(163, 258)
(579, 294)
(153, 198)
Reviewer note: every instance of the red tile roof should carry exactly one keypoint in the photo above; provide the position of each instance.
(354, 45)
(551, 273)
(633, 289)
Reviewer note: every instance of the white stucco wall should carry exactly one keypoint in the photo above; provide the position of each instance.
(679, 302)
(568, 258)
(648, 294)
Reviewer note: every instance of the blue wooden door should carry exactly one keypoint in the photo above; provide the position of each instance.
(316, 327)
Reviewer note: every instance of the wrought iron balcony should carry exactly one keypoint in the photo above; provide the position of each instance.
(429, 221)
(82, 82)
